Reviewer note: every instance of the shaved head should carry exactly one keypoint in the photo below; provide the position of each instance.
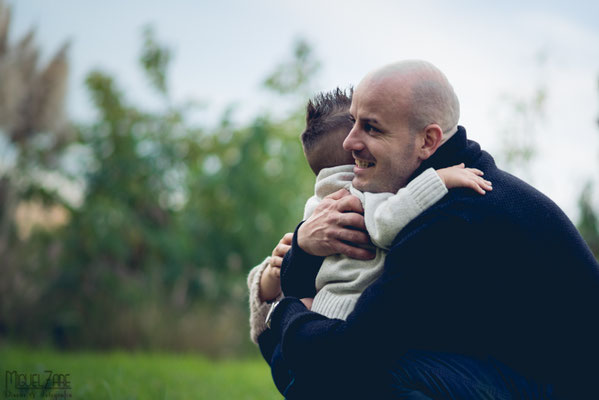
(422, 93)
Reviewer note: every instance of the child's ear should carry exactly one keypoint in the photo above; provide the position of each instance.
(432, 135)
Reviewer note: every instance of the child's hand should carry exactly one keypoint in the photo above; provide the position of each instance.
(270, 282)
(307, 302)
(276, 259)
(459, 176)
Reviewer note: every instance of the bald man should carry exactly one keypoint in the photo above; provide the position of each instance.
(516, 316)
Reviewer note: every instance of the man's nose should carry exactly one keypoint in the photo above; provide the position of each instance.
(352, 142)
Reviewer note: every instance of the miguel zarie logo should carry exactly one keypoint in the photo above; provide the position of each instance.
(47, 385)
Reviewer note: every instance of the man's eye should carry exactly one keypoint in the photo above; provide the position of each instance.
(352, 119)
(369, 128)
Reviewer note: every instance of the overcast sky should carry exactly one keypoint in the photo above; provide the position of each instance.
(223, 50)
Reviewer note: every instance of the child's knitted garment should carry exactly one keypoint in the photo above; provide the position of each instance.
(341, 280)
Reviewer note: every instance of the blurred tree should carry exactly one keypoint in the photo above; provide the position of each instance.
(520, 118)
(33, 124)
(31, 98)
(295, 76)
(588, 221)
(171, 215)
(155, 59)
(34, 130)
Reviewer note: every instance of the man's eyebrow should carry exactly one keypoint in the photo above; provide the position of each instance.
(371, 121)
(367, 120)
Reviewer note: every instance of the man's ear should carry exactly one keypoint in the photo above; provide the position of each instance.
(432, 136)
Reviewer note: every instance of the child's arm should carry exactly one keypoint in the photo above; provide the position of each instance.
(258, 308)
(270, 281)
(387, 214)
(264, 286)
(459, 176)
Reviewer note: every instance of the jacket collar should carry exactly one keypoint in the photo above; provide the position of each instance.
(458, 149)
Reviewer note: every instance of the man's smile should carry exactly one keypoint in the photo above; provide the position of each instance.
(364, 163)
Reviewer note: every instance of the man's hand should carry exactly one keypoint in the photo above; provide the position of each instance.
(335, 227)
(270, 282)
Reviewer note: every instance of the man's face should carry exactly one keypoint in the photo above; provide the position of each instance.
(384, 150)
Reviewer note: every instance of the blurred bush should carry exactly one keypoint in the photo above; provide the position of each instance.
(167, 221)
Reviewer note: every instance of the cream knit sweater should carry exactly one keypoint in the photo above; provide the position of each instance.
(341, 279)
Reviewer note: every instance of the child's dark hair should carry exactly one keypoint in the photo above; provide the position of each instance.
(327, 112)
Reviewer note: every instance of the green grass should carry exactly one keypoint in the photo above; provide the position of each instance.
(119, 375)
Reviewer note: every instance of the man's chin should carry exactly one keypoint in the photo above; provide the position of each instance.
(365, 179)
(371, 185)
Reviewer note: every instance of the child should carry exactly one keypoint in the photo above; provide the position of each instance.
(341, 279)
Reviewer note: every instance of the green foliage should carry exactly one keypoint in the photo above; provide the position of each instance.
(294, 76)
(518, 131)
(171, 216)
(145, 376)
(33, 134)
(155, 59)
(588, 222)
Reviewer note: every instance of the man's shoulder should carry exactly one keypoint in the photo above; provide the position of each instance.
(510, 197)
(517, 201)
(512, 205)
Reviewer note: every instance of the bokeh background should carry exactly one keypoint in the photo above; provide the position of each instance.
(150, 155)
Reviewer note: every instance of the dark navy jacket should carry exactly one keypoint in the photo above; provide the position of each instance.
(503, 276)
